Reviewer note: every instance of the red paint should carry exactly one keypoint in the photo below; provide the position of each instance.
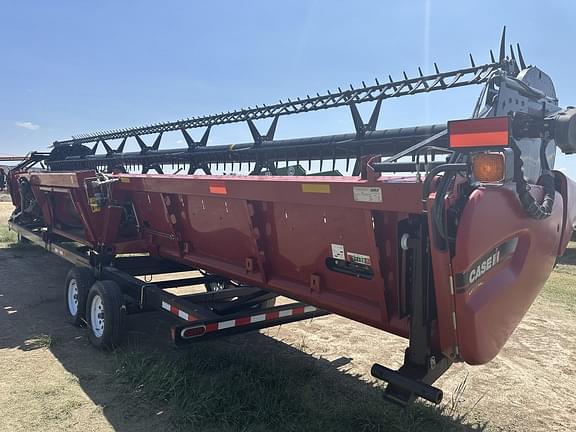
(298, 311)
(272, 315)
(242, 321)
(211, 327)
(490, 309)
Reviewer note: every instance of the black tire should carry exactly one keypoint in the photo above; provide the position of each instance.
(78, 282)
(105, 304)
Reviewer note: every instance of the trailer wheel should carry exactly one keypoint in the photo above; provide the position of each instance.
(105, 311)
(78, 283)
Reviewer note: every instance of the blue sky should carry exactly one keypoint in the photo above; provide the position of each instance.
(70, 67)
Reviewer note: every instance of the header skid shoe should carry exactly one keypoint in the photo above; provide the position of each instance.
(411, 381)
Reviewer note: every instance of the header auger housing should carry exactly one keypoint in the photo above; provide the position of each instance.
(450, 254)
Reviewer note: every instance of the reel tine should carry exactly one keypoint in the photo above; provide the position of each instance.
(520, 57)
(502, 55)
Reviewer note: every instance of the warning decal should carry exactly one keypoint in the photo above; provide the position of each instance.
(367, 194)
(338, 251)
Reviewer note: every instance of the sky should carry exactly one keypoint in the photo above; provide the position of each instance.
(69, 67)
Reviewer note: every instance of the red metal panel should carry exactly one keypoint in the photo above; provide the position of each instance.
(398, 194)
(287, 239)
(301, 237)
(277, 232)
(489, 309)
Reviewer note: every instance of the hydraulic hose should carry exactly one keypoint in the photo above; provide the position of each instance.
(533, 208)
(442, 186)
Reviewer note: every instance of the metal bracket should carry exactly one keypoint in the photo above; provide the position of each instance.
(258, 138)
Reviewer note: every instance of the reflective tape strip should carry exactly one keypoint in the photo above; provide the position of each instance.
(269, 316)
(242, 321)
(178, 312)
(257, 318)
(226, 324)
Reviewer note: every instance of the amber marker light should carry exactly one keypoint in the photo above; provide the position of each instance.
(489, 167)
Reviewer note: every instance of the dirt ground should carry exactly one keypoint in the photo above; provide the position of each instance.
(52, 379)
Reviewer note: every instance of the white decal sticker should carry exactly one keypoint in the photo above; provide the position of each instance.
(367, 194)
(359, 258)
(338, 251)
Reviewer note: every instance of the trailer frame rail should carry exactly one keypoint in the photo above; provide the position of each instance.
(203, 315)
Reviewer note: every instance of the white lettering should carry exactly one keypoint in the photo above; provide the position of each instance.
(472, 277)
(484, 266)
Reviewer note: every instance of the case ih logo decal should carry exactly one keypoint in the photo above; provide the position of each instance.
(485, 264)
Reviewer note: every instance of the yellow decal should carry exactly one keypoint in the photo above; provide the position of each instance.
(94, 206)
(125, 179)
(316, 188)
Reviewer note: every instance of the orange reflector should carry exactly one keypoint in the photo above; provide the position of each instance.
(218, 189)
(488, 167)
(486, 132)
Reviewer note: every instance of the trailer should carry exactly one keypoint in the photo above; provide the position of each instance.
(443, 234)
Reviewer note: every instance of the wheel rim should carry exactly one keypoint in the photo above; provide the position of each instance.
(97, 316)
(73, 297)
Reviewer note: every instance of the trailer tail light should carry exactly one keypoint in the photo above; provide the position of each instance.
(489, 167)
(485, 132)
(194, 331)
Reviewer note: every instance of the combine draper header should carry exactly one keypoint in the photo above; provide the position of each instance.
(443, 234)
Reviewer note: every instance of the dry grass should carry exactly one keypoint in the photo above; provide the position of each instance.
(561, 286)
(6, 236)
(234, 390)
